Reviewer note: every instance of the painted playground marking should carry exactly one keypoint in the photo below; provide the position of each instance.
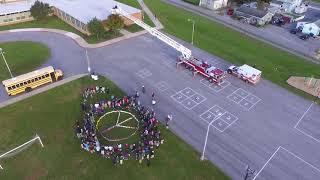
(244, 98)
(219, 118)
(289, 152)
(144, 73)
(188, 98)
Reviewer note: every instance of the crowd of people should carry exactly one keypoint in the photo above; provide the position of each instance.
(150, 137)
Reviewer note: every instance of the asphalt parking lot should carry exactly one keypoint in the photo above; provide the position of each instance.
(263, 126)
(252, 125)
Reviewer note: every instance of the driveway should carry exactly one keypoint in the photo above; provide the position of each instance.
(264, 126)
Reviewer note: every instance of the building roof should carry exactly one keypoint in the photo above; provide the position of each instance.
(252, 11)
(82, 10)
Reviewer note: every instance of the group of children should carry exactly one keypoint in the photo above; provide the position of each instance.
(150, 137)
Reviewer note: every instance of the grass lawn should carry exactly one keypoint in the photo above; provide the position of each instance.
(276, 65)
(52, 115)
(55, 23)
(22, 57)
(195, 2)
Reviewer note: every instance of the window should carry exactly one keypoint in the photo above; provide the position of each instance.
(5, 20)
(10, 19)
(25, 83)
(13, 87)
(47, 75)
(9, 88)
(21, 84)
(23, 17)
(29, 81)
(44, 76)
(32, 80)
(18, 18)
(36, 79)
(17, 85)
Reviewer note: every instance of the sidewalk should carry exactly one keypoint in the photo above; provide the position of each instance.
(40, 90)
(152, 16)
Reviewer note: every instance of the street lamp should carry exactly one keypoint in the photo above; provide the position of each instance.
(5, 61)
(193, 23)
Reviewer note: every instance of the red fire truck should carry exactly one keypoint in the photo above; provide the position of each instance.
(213, 74)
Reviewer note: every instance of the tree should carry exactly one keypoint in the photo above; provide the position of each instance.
(114, 23)
(40, 10)
(96, 28)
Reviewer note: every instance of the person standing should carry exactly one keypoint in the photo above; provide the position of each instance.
(169, 118)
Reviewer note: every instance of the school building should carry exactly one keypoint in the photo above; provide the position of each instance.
(76, 13)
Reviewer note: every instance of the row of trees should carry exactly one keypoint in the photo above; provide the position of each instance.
(114, 23)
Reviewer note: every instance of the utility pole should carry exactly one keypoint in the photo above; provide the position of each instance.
(249, 172)
(5, 61)
(193, 24)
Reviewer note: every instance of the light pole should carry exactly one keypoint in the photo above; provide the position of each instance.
(193, 23)
(5, 61)
(205, 141)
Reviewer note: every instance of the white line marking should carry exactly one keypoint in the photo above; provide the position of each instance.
(124, 121)
(300, 159)
(303, 115)
(308, 135)
(266, 163)
(127, 127)
(118, 118)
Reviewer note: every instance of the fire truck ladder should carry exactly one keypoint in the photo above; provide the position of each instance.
(186, 53)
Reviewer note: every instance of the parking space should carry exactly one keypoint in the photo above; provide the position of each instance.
(215, 87)
(244, 98)
(285, 164)
(188, 98)
(144, 73)
(219, 118)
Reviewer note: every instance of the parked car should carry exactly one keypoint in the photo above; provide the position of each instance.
(296, 30)
(305, 36)
(230, 12)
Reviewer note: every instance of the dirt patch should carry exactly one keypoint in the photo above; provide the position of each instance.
(308, 85)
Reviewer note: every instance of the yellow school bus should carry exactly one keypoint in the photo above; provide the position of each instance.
(27, 82)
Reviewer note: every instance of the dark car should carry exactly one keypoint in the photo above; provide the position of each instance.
(305, 37)
(294, 31)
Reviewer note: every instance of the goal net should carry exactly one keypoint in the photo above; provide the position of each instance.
(20, 148)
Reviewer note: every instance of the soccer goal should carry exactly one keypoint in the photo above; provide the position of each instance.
(20, 148)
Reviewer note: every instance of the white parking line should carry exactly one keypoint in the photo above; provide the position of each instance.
(303, 115)
(267, 162)
(291, 153)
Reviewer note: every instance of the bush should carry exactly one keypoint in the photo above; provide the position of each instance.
(114, 23)
(96, 28)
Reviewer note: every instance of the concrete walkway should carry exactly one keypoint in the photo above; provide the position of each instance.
(78, 39)
(40, 90)
(152, 16)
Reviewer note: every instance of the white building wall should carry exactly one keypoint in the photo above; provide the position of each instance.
(15, 18)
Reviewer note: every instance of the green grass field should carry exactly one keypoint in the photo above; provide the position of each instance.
(276, 65)
(55, 23)
(22, 57)
(52, 115)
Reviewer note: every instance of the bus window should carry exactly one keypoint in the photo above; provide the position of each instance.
(13, 87)
(36, 79)
(29, 81)
(47, 75)
(9, 88)
(32, 80)
(43, 76)
(25, 83)
(21, 84)
(17, 85)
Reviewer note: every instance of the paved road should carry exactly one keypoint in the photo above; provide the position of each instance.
(264, 126)
(274, 35)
